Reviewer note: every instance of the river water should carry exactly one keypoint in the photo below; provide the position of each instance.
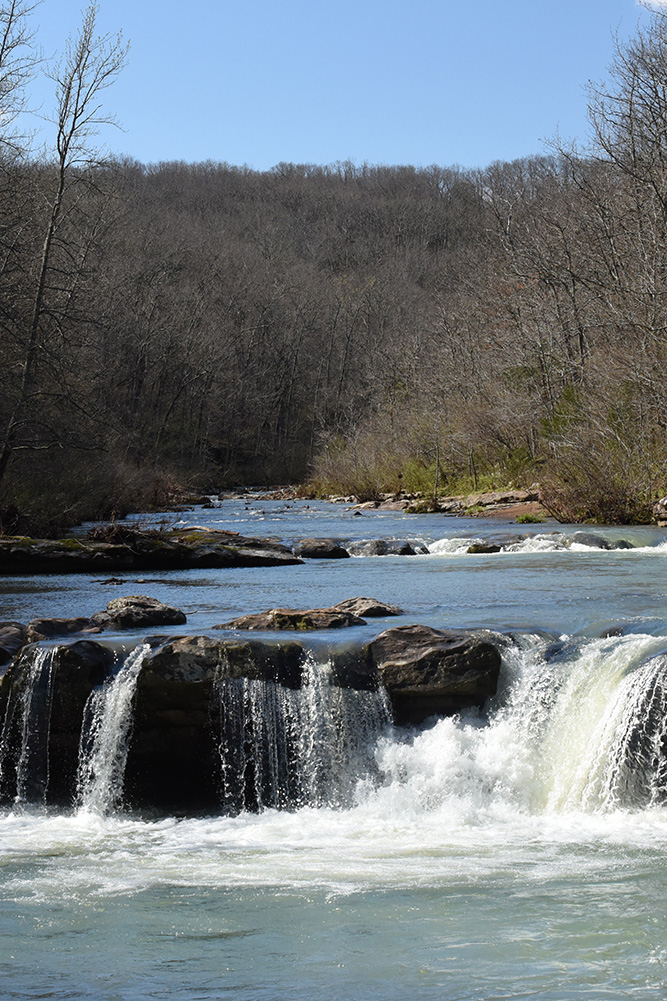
(519, 853)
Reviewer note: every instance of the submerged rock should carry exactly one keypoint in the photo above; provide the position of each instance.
(320, 549)
(385, 547)
(483, 547)
(589, 539)
(434, 672)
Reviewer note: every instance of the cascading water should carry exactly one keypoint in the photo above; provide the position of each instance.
(283, 747)
(582, 731)
(577, 726)
(24, 739)
(104, 738)
(630, 767)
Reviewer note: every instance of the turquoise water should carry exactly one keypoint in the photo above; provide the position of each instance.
(496, 857)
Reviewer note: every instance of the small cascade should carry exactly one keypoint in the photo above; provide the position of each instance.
(105, 738)
(283, 747)
(584, 731)
(631, 765)
(593, 735)
(24, 738)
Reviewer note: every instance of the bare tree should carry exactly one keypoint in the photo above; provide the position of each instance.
(90, 64)
(18, 62)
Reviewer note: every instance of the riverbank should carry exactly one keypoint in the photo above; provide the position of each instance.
(506, 504)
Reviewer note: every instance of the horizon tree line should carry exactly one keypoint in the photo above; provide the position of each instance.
(357, 328)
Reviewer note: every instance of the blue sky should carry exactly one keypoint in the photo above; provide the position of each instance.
(312, 81)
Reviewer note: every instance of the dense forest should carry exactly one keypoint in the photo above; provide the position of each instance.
(354, 328)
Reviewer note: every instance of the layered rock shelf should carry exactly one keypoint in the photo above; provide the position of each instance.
(176, 550)
(183, 684)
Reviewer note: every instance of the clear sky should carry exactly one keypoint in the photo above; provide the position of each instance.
(417, 82)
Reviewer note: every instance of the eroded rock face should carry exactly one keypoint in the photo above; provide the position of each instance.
(56, 684)
(12, 638)
(186, 682)
(138, 611)
(172, 758)
(174, 761)
(79, 668)
(434, 672)
(296, 619)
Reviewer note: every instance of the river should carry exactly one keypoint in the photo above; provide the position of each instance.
(518, 853)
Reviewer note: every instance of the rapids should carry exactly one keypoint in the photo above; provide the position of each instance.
(514, 853)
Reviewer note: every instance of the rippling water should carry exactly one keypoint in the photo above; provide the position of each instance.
(510, 855)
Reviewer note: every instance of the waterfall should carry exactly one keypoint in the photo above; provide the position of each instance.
(24, 738)
(582, 731)
(579, 725)
(590, 724)
(283, 747)
(631, 764)
(105, 738)
(599, 737)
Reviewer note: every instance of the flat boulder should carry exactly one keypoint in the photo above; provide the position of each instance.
(297, 619)
(367, 608)
(201, 660)
(434, 672)
(43, 629)
(118, 547)
(137, 611)
(320, 549)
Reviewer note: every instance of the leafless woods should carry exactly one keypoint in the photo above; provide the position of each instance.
(354, 326)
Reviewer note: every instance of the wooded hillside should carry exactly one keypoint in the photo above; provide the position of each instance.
(350, 326)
